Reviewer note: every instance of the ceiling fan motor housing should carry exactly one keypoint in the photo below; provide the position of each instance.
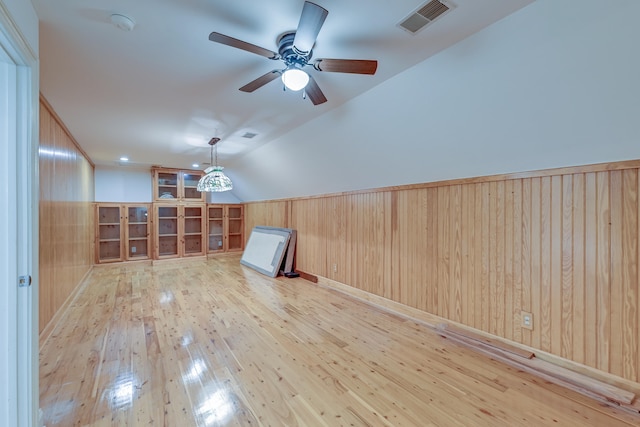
(289, 54)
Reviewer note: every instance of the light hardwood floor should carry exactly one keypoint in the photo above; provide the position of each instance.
(212, 343)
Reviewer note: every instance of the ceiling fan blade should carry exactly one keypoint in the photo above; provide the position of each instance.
(314, 93)
(311, 21)
(356, 66)
(230, 41)
(261, 81)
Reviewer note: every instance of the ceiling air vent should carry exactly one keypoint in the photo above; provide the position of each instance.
(426, 14)
(249, 135)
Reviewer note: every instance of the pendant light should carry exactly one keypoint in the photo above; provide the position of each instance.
(215, 180)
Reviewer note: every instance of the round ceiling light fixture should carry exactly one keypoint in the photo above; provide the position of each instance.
(122, 21)
(294, 78)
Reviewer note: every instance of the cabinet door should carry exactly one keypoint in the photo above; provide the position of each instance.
(166, 231)
(235, 228)
(190, 191)
(167, 185)
(216, 228)
(109, 245)
(137, 229)
(193, 230)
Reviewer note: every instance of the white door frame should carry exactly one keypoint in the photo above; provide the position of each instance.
(19, 109)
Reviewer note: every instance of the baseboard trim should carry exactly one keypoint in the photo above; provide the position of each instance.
(47, 331)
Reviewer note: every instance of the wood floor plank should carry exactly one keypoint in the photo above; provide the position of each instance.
(212, 343)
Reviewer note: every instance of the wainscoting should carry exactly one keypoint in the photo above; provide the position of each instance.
(66, 215)
(559, 244)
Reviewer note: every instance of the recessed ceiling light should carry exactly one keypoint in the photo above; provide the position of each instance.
(195, 165)
(122, 21)
(124, 159)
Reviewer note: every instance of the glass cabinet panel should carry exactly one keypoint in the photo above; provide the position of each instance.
(167, 185)
(190, 186)
(167, 230)
(109, 233)
(193, 216)
(216, 227)
(138, 229)
(177, 185)
(235, 228)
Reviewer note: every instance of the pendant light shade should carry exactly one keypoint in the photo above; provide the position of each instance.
(214, 179)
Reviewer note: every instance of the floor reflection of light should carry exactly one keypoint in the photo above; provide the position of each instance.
(195, 371)
(122, 391)
(186, 339)
(59, 411)
(215, 408)
(166, 297)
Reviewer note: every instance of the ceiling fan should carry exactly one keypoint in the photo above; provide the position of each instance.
(295, 50)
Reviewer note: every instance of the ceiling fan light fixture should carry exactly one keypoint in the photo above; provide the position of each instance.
(295, 79)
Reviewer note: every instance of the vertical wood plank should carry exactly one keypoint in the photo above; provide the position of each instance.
(536, 261)
(603, 260)
(630, 291)
(455, 272)
(566, 274)
(517, 260)
(485, 284)
(444, 250)
(617, 273)
(578, 269)
(466, 285)
(432, 248)
(591, 270)
(555, 282)
(527, 255)
(493, 256)
(498, 309)
(478, 268)
(545, 264)
(508, 285)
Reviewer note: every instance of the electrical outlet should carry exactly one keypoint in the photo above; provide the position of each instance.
(133, 249)
(527, 319)
(335, 268)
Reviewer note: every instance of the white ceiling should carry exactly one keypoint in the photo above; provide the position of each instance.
(158, 93)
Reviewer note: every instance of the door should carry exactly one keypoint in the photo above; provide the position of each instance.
(18, 230)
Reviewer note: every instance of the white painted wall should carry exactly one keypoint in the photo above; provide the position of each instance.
(130, 185)
(555, 84)
(224, 197)
(123, 184)
(24, 15)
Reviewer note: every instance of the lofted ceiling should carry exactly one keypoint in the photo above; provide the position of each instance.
(158, 93)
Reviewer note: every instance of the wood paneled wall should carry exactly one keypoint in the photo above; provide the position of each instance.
(562, 245)
(66, 216)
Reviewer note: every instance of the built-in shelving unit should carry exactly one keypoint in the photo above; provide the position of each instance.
(225, 228)
(176, 185)
(123, 232)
